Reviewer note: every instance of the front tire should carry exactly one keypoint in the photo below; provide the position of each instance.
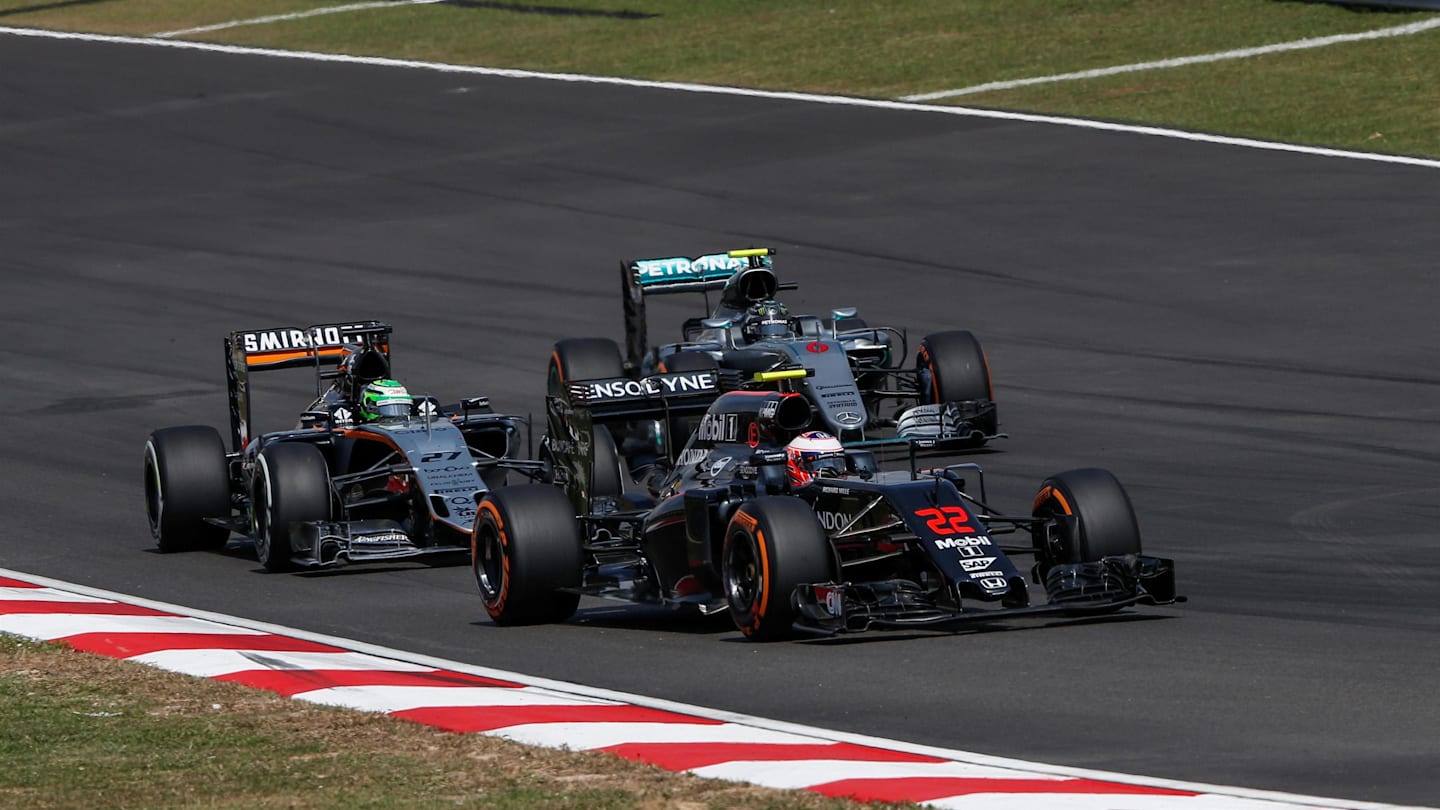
(291, 486)
(1104, 518)
(772, 545)
(525, 552)
(187, 480)
(953, 368)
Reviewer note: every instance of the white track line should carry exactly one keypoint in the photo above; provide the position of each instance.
(846, 101)
(1242, 53)
(293, 16)
(735, 727)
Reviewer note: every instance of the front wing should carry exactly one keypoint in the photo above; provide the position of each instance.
(325, 544)
(1083, 589)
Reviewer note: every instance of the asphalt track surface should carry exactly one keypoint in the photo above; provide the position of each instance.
(1245, 338)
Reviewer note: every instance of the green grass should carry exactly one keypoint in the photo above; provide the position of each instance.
(1340, 96)
(79, 731)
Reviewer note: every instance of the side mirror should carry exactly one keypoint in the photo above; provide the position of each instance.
(843, 312)
(717, 323)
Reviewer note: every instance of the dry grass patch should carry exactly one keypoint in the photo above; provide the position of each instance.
(80, 731)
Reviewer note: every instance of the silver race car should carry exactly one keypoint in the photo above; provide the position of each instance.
(861, 378)
(369, 472)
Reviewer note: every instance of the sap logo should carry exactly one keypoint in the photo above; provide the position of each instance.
(653, 270)
(961, 542)
(719, 427)
(833, 521)
(976, 563)
(282, 339)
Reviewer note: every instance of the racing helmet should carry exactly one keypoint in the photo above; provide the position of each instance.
(768, 320)
(812, 454)
(385, 398)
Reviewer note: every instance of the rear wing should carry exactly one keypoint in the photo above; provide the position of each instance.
(322, 347)
(745, 276)
(656, 395)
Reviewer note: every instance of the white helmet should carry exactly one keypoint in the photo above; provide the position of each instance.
(814, 453)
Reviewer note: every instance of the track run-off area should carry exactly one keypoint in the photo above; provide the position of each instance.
(1243, 335)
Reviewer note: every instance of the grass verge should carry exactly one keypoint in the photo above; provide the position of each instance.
(1340, 95)
(80, 731)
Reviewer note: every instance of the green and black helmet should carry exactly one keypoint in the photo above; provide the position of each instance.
(384, 398)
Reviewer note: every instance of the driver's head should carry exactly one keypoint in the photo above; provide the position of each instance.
(384, 398)
(814, 454)
(767, 320)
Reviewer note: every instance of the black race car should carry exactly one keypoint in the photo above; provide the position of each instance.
(336, 488)
(731, 529)
(858, 379)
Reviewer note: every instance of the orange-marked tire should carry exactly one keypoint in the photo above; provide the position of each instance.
(525, 552)
(772, 545)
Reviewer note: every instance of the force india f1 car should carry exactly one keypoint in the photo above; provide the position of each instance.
(728, 530)
(334, 489)
(857, 380)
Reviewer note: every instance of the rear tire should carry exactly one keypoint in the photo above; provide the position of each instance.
(772, 544)
(291, 486)
(187, 480)
(953, 368)
(526, 547)
(582, 359)
(1106, 525)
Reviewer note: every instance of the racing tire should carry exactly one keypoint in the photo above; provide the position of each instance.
(953, 368)
(525, 551)
(187, 479)
(1105, 520)
(582, 359)
(607, 475)
(291, 486)
(772, 544)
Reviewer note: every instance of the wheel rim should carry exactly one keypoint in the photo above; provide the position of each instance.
(154, 495)
(743, 578)
(489, 564)
(260, 509)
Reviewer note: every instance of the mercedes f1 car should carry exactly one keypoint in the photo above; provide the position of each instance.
(862, 389)
(851, 549)
(336, 488)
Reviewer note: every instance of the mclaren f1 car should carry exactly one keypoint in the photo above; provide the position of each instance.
(349, 482)
(842, 547)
